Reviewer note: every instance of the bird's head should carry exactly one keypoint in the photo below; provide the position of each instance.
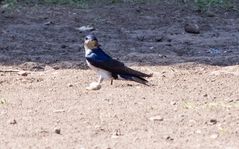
(91, 42)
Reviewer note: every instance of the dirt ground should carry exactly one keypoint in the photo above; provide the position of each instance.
(193, 100)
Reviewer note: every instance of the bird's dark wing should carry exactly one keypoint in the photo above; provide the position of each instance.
(114, 67)
(100, 59)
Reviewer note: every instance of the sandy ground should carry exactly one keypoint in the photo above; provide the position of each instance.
(184, 108)
(193, 100)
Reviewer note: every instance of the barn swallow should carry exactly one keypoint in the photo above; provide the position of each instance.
(106, 67)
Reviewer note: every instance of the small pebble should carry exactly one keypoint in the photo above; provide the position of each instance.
(214, 136)
(129, 85)
(118, 132)
(159, 39)
(3, 101)
(63, 46)
(57, 130)
(210, 14)
(173, 102)
(156, 118)
(192, 28)
(162, 56)
(169, 138)
(70, 85)
(140, 38)
(213, 121)
(12, 122)
(107, 99)
(198, 131)
(23, 73)
(59, 111)
(151, 48)
(48, 23)
(85, 28)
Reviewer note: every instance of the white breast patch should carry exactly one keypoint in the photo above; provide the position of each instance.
(103, 73)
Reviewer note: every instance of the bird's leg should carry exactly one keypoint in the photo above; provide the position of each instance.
(111, 82)
(100, 80)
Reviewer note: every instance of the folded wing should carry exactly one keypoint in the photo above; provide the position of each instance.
(116, 68)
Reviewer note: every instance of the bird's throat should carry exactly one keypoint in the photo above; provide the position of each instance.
(87, 51)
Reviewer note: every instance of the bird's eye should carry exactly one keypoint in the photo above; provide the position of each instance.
(86, 38)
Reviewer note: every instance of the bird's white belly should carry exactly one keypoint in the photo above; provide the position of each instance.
(103, 73)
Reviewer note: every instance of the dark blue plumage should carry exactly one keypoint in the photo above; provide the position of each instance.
(98, 54)
(108, 67)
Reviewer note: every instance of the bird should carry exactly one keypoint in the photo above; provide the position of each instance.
(107, 67)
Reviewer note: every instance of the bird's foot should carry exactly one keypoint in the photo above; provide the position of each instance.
(94, 86)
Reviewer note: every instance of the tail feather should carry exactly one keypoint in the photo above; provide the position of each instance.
(134, 78)
(140, 80)
(133, 72)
